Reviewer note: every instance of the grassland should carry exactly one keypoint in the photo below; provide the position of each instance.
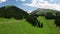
(12, 26)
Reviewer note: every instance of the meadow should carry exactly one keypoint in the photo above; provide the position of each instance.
(13, 26)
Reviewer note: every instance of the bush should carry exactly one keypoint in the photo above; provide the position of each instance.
(40, 25)
(33, 20)
(57, 22)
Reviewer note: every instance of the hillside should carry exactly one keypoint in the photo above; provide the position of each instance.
(41, 11)
(12, 26)
(18, 14)
(14, 20)
(48, 14)
(12, 12)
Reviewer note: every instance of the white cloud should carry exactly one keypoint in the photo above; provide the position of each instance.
(21, 0)
(28, 11)
(43, 4)
(1, 1)
(51, 0)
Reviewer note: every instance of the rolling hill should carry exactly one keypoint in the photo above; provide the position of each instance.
(12, 12)
(12, 26)
(41, 11)
(22, 26)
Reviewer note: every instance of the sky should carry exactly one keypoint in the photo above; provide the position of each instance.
(31, 5)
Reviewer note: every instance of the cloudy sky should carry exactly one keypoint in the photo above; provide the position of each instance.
(30, 5)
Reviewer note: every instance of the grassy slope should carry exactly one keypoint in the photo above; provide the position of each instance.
(49, 26)
(12, 26)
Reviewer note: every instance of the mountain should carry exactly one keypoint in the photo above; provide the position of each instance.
(41, 11)
(12, 12)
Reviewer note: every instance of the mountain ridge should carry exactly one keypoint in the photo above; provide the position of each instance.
(44, 11)
(12, 11)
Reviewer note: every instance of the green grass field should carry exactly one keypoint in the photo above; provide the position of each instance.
(12, 26)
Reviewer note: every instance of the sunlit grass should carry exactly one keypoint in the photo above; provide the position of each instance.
(12, 26)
